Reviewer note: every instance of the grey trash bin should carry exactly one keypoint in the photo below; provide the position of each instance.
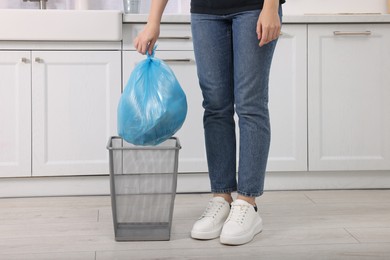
(143, 187)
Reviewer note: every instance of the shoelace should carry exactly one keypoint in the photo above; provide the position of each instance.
(238, 213)
(212, 209)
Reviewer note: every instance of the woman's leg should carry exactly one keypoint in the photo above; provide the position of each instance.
(251, 74)
(212, 37)
(213, 52)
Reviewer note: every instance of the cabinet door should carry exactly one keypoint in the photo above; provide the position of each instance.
(349, 97)
(15, 114)
(288, 102)
(192, 154)
(75, 96)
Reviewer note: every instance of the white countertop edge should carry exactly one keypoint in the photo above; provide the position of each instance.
(337, 18)
(307, 18)
(167, 18)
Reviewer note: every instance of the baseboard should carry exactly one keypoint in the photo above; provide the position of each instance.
(194, 182)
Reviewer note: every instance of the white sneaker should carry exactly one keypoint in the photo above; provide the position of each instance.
(209, 225)
(242, 224)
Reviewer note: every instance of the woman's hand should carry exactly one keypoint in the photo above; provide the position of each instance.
(145, 40)
(268, 25)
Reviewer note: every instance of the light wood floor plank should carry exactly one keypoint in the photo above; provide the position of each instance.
(90, 242)
(310, 252)
(284, 198)
(313, 222)
(51, 256)
(297, 225)
(350, 196)
(371, 235)
(28, 230)
(45, 215)
(56, 202)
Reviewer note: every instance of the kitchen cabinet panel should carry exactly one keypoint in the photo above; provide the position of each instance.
(15, 114)
(349, 97)
(74, 101)
(288, 101)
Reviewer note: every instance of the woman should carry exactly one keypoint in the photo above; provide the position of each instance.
(234, 41)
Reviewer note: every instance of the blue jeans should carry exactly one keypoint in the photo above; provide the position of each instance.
(233, 75)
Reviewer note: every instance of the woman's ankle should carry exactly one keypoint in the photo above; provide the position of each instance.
(250, 200)
(226, 196)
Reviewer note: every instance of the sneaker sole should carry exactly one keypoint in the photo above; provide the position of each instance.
(243, 239)
(206, 235)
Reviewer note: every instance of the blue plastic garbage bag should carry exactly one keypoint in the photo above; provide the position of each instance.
(153, 106)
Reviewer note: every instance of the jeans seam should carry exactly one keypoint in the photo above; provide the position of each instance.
(250, 194)
(228, 190)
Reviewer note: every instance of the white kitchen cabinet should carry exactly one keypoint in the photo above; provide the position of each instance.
(74, 101)
(288, 101)
(15, 113)
(192, 154)
(57, 110)
(349, 97)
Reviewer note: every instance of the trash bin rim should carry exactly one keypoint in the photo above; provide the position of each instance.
(137, 147)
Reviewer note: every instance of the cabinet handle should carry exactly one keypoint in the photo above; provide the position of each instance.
(177, 60)
(38, 60)
(24, 60)
(175, 38)
(340, 33)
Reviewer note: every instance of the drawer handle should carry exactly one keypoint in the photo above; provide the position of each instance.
(177, 60)
(175, 38)
(38, 60)
(24, 60)
(340, 33)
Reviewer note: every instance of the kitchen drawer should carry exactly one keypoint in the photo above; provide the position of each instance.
(172, 36)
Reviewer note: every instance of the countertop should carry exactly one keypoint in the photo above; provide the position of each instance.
(287, 19)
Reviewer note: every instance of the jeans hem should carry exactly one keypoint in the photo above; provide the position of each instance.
(229, 190)
(250, 194)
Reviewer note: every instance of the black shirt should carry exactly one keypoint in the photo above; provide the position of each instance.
(221, 7)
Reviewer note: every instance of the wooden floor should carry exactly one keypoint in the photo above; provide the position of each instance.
(297, 225)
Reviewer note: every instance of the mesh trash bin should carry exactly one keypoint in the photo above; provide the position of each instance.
(143, 187)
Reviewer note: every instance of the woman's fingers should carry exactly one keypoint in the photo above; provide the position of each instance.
(140, 44)
(268, 27)
(269, 34)
(265, 37)
(145, 40)
(151, 46)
